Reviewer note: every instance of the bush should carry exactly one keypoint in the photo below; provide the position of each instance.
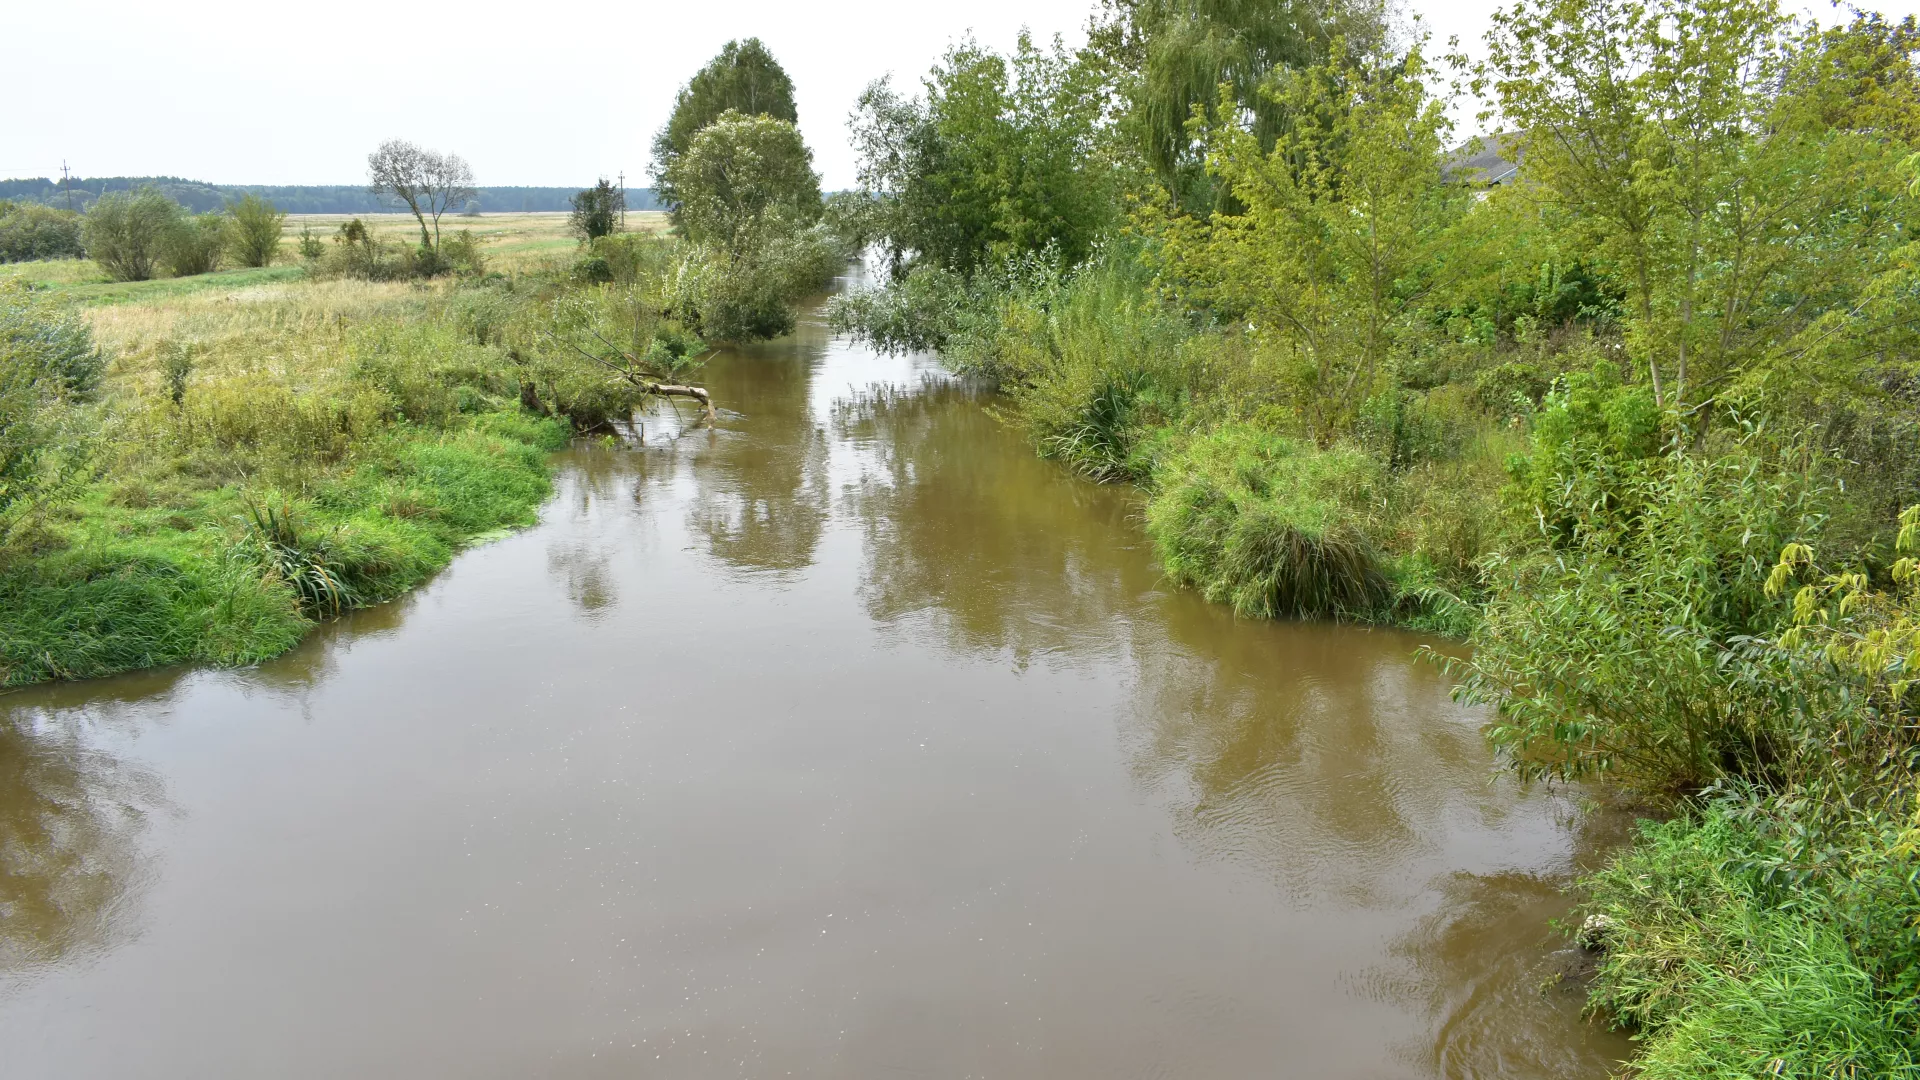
(1621, 635)
(256, 230)
(31, 231)
(47, 361)
(195, 244)
(128, 233)
(1275, 528)
(1732, 960)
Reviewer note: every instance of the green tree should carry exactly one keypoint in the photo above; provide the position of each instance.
(126, 232)
(1169, 58)
(597, 211)
(744, 179)
(256, 230)
(743, 78)
(1001, 157)
(1342, 222)
(1726, 159)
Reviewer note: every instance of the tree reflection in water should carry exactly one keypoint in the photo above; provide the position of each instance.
(761, 500)
(71, 817)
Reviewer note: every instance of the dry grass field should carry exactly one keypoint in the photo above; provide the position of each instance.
(512, 241)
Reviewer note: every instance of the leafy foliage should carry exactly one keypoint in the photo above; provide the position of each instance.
(31, 231)
(743, 78)
(255, 235)
(127, 234)
(1000, 158)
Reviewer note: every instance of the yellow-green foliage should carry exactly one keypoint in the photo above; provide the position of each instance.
(264, 458)
(1271, 526)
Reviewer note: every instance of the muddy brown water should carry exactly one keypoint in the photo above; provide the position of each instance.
(846, 740)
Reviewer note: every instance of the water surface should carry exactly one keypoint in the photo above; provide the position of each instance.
(845, 740)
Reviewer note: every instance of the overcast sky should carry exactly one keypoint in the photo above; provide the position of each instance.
(263, 93)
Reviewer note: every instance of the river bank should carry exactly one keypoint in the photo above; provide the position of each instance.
(531, 818)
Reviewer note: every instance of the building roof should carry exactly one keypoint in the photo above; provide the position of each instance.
(1487, 159)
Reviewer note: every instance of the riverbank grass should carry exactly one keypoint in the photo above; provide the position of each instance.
(263, 459)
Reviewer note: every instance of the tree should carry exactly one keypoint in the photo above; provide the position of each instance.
(744, 78)
(430, 183)
(1001, 157)
(742, 179)
(1342, 219)
(1169, 58)
(126, 232)
(1734, 165)
(597, 211)
(256, 230)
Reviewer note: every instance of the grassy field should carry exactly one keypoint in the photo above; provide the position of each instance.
(265, 449)
(513, 242)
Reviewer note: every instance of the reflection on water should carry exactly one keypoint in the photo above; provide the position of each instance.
(846, 738)
(761, 478)
(965, 527)
(70, 819)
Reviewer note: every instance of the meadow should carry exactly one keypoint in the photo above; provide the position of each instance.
(265, 448)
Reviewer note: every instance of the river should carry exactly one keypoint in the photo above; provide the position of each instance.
(845, 740)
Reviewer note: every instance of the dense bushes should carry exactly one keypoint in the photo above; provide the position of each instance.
(1272, 527)
(31, 231)
(195, 243)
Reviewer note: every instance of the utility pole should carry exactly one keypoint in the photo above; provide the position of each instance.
(623, 200)
(66, 184)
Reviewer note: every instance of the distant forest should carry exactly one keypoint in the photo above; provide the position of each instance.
(294, 199)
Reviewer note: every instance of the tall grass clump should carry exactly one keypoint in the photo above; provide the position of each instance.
(1273, 527)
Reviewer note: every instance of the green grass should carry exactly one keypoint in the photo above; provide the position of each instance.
(135, 587)
(83, 282)
(1734, 955)
(1273, 527)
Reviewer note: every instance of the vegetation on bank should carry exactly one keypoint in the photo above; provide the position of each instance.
(202, 470)
(1640, 421)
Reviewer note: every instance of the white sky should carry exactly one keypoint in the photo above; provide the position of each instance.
(237, 92)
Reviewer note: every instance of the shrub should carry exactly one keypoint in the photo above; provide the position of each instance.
(127, 233)
(1731, 959)
(256, 230)
(310, 246)
(1273, 527)
(31, 231)
(195, 244)
(1620, 635)
(47, 361)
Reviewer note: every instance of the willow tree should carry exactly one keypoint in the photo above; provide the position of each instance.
(1169, 59)
(743, 78)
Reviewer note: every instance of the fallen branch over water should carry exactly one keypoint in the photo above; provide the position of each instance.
(648, 382)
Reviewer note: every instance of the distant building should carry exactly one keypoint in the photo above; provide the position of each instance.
(1484, 162)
